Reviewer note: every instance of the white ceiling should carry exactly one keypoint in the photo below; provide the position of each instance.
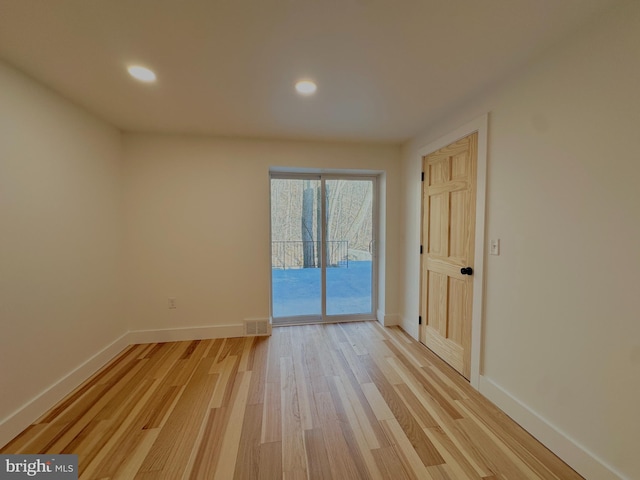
(384, 68)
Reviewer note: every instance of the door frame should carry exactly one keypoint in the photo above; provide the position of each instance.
(479, 125)
(374, 178)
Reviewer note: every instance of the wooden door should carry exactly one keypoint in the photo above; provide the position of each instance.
(448, 241)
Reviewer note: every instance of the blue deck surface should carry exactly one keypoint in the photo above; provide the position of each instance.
(297, 291)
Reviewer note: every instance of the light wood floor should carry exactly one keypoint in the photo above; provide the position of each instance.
(341, 401)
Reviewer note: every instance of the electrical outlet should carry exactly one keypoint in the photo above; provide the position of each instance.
(172, 303)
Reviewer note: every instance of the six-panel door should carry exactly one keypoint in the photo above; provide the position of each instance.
(448, 240)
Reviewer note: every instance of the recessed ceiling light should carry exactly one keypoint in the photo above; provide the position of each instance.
(306, 87)
(142, 74)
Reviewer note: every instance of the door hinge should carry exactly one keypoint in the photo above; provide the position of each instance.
(420, 320)
(422, 177)
(420, 249)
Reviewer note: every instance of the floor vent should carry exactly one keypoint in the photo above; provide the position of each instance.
(256, 327)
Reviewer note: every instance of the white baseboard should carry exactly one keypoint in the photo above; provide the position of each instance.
(16, 422)
(388, 320)
(188, 333)
(570, 451)
(411, 328)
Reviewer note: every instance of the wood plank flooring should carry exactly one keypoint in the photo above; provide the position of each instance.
(339, 401)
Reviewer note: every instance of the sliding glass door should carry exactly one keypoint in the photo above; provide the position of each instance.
(322, 248)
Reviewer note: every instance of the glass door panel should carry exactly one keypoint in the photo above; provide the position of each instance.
(296, 254)
(349, 233)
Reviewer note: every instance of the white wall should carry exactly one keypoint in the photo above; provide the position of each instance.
(198, 224)
(60, 246)
(562, 303)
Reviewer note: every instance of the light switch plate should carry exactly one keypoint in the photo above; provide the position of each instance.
(495, 247)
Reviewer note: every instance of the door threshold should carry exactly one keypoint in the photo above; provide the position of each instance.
(304, 321)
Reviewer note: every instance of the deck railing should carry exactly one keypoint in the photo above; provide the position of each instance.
(307, 254)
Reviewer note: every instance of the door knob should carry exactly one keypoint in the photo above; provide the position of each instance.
(466, 271)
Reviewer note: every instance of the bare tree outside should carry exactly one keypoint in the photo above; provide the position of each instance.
(296, 222)
(307, 225)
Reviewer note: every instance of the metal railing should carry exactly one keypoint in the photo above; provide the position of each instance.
(307, 254)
